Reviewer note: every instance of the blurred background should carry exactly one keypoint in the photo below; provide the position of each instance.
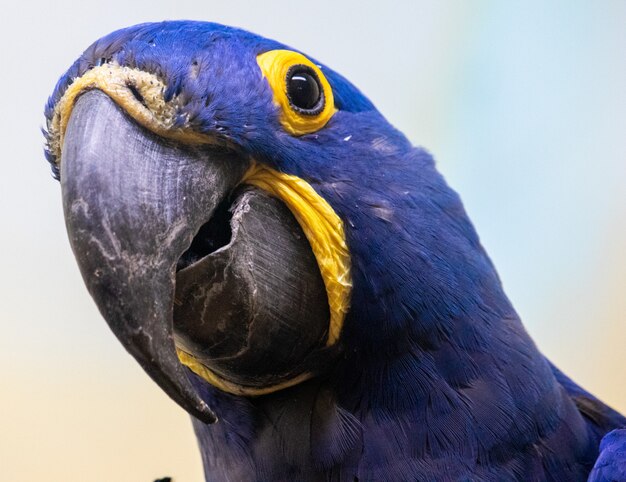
(522, 103)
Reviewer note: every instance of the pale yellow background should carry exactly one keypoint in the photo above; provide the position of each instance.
(522, 103)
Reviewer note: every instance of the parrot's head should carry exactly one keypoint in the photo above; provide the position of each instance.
(238, 208)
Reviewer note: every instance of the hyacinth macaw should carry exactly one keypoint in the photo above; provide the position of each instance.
(299, 277)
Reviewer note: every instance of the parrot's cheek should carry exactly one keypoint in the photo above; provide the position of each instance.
(184, 263)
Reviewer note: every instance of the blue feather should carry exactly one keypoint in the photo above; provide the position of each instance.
(611, 464)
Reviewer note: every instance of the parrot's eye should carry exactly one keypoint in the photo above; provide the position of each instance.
(304, 91)
(300, 90)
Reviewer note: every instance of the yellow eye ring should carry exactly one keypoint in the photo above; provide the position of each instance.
(278, 67)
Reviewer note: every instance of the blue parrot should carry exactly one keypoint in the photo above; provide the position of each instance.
(298, 276)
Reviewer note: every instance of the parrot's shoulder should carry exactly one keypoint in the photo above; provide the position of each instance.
(606, 424)
(611, 463)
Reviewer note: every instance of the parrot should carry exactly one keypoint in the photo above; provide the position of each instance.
(298, 276)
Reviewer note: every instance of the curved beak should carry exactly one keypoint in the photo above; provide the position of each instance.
(133, 203)
(184, 267)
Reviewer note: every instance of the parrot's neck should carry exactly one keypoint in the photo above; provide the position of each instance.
(463, 393)
(437, 374)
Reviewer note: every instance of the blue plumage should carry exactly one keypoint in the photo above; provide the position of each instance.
(611, 464)
(438, 379)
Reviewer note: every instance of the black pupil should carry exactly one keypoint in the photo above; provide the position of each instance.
(303, 90)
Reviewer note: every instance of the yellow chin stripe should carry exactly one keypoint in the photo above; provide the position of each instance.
(275, 66)
(229, 387)
(324, 230)
(325, 233)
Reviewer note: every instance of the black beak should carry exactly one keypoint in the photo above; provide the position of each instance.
(133, 205)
